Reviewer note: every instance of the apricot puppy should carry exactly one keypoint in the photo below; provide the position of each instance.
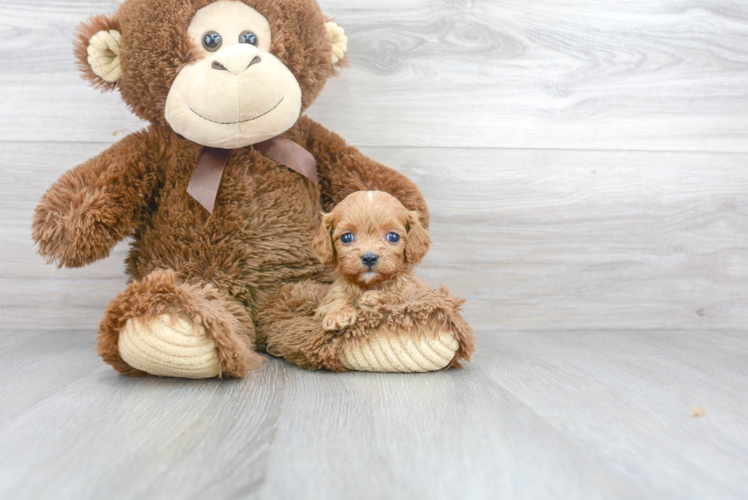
(374, 242)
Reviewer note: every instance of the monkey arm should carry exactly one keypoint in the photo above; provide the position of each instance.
(344, 170)
(96, 204)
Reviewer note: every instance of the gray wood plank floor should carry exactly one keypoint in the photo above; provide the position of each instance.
(586, 164)
(566, 414)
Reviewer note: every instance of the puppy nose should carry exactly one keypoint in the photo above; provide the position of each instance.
(370, 259)
(236, 60)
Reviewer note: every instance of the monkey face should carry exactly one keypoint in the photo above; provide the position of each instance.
(237, 93)
(222, 73)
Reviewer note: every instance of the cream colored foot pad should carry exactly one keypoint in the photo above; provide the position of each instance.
(160, 346)
(388, 353)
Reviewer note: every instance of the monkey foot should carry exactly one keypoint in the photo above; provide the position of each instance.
(169, 346)
(387, 352)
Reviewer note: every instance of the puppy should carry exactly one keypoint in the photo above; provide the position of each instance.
(374, 242)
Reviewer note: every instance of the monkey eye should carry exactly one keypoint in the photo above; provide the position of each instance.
(393, 237)
(248, 37)
(212, 41)
(347, 238)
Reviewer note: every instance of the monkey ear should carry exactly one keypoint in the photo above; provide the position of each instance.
(97, 46)
(418, 243)
(339, 42)
(322, 245)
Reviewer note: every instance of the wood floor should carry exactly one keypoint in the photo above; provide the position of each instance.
(586, 165)
(565, 414)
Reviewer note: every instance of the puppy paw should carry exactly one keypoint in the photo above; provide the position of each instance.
(337, 320)
(372, 298)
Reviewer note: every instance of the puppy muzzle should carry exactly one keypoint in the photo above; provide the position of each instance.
(370, 260)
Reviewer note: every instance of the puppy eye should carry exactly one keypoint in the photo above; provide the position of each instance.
(212, 41)
(248, 37)
(347, 238)
(393, 237)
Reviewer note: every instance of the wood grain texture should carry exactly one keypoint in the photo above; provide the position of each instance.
(585, 164)
(537, 415)
(639, 75)
(536, 240)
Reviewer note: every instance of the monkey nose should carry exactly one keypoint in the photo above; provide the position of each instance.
(370, 259)
(236, 61)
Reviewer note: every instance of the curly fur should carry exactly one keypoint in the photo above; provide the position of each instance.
(369, 217)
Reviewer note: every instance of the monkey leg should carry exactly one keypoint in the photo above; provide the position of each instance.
(390, 349)
(286, 328)
(425, 334)
(422, 332)
(159, 326)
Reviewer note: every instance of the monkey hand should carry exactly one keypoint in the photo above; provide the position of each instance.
(75, 224)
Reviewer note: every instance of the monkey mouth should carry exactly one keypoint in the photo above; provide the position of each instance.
(240, 121)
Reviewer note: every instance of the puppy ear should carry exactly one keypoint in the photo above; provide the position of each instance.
(418, 242)
(322, 246)
(97, 46)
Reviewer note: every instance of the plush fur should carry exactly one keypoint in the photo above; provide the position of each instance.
(217, 270)
(287, 326)
(155, 46)
(422, 310)
(309, 324)
(225, 320)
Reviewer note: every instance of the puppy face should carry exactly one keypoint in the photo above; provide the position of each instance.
(370, 237)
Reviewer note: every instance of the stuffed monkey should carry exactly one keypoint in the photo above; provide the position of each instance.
(221, 194)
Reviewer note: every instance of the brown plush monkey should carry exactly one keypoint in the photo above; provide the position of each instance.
(220, 193)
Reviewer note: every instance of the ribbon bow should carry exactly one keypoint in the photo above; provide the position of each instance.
(209, 170)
